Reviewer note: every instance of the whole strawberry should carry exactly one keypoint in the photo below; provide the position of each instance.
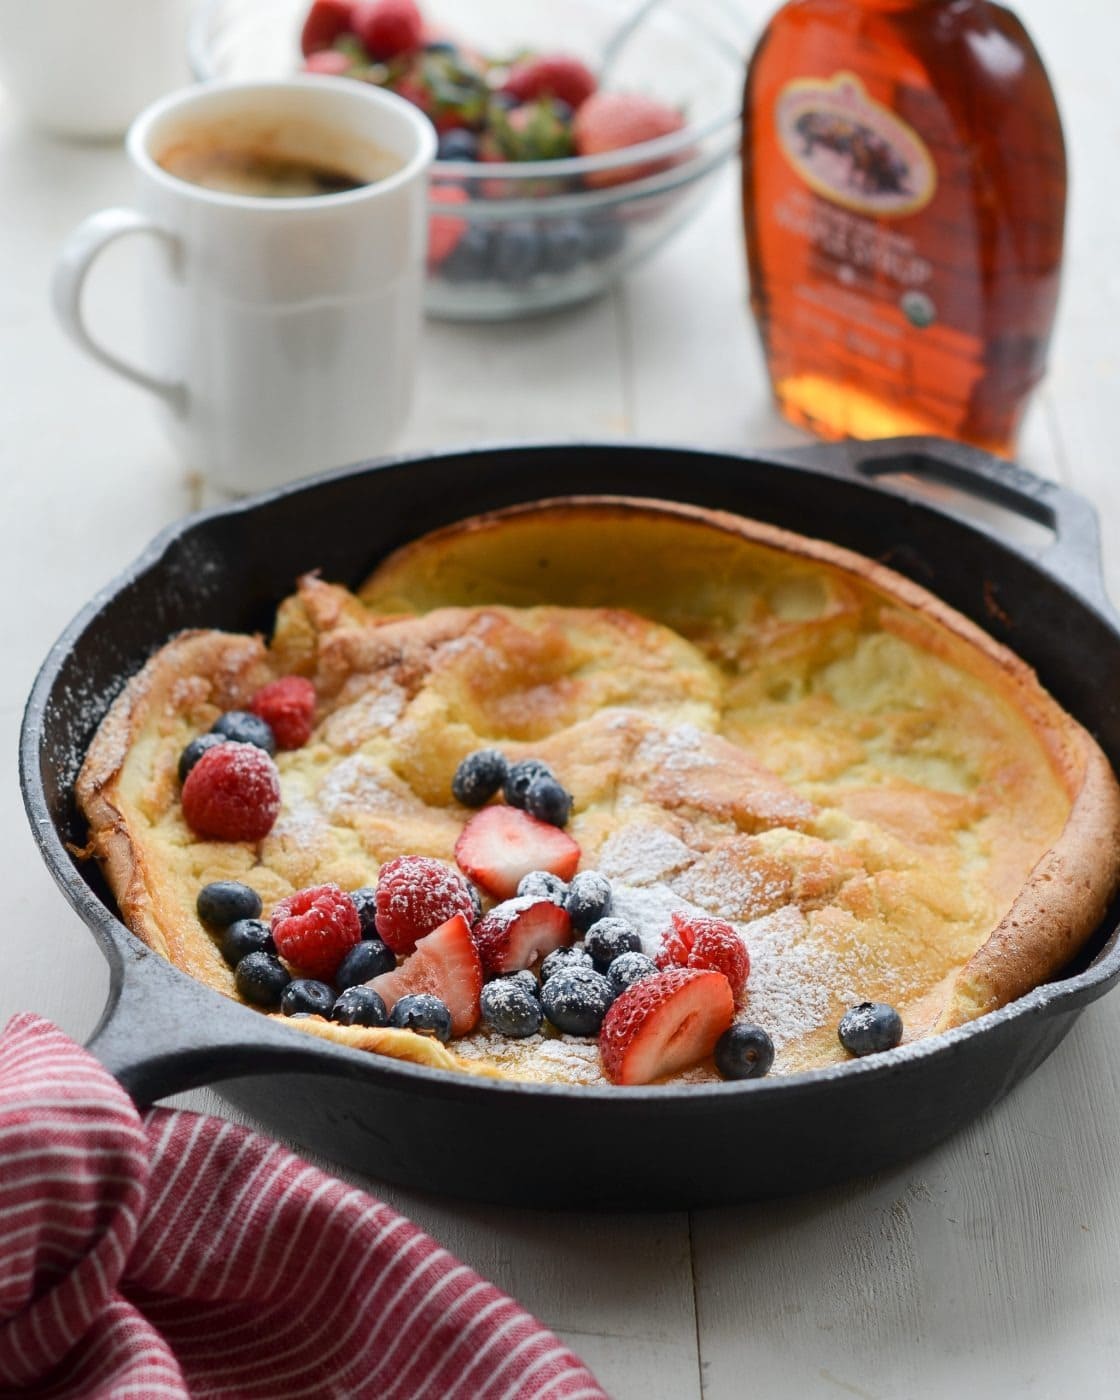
(325, 21)
(415, 895)
(388, 28)
(551, 75)
(701, 942)
(232, 793)
(315, 929)
(611, 121)
(287, 705)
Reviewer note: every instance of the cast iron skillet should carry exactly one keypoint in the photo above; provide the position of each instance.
(558, 1146)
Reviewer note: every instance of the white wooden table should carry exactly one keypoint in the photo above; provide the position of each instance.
(990, 1267)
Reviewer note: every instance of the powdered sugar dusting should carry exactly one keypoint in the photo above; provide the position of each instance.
(680, 750)
(732, 891)
(641, 855)
(649, 909)
(372, 712)
(359, 784)
(552, 1057)
(794, 981)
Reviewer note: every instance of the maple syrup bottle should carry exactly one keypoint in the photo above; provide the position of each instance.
(904, 187)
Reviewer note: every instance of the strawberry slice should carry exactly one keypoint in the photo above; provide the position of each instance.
(515, 934)
(499, 846)
(447, 965)
(664, 1024)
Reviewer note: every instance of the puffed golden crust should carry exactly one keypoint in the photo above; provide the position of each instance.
(759, 726)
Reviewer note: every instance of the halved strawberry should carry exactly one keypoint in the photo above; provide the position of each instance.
(446, 964)
(499, 846)
(515, 934)
(664, 1024)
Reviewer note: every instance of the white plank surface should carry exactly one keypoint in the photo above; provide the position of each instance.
(990, 1267)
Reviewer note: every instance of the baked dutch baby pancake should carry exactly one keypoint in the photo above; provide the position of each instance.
(606, 789)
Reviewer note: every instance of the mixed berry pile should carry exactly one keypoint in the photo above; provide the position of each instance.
(516, 939)
(512, 108)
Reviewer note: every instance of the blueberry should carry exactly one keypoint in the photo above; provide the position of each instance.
(244, 727)
(608, 939)
(563, 245)
(305, 996)
(479, 777)
(542, 884)
(261, 979)
(517, 252)
(520, 778)
(226, 901)
(509, 1008)
(360, 1006)
(457, 145)
(744, 1052)
(870, 1027)
(561, 110)
(505, 100)
(471, 258)
(364, 901)
(548, 801)
(424, 1014)
(576, 999)
(605, 237)
(365, 961)
(244, 937)
(562, 958)
(441, 46)
(629, 968)
(527, 980)
(589, 899)
(194, 751)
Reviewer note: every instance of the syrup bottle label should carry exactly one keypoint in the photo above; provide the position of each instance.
(851, 150)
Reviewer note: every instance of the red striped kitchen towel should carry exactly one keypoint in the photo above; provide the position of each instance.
(165, 1254)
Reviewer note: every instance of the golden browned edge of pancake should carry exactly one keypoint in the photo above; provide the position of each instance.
(1066, 895)
(230, 668)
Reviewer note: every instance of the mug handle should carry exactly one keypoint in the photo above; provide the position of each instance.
(70, 271)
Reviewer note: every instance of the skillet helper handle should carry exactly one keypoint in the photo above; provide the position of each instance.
(1073, 556)
(153, 1052)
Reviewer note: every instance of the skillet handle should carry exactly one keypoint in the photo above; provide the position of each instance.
(1074, 555)
(160, 1035)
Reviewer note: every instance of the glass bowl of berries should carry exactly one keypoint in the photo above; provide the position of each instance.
(573, 144)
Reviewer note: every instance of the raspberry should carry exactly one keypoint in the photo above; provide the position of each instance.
(315, 929)
(416, 895)
(288, 707)
(708, 944)
(232, 793)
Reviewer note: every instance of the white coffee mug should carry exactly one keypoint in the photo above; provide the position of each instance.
(281, 332)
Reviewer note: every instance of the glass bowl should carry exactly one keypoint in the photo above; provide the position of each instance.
(529, 236)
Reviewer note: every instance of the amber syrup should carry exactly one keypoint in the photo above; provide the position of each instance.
(904, 187)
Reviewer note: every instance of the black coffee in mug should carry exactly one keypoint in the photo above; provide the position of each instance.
(266, 164)
(258, 172)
